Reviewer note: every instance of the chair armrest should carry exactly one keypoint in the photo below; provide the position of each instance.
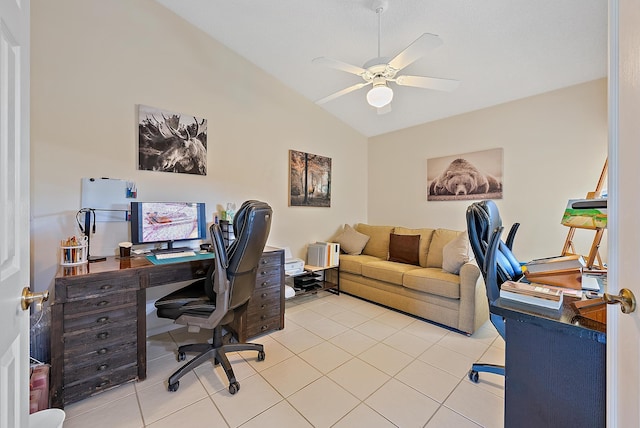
(512, 235)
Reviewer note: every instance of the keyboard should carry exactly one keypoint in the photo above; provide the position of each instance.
(164, 256)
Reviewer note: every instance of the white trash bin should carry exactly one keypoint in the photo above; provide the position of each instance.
(48, 418)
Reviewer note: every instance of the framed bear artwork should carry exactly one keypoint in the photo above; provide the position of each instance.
(475, 175)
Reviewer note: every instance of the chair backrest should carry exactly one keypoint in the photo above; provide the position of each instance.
(483, 222)
(252, 224)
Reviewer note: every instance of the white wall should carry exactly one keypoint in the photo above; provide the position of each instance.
(93, 61)
(555, 146)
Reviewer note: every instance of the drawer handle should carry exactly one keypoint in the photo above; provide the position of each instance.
(264, 327)
(103, 335)
(102, 351)
(106, 287)
(265, 283)
(264, 295)
(102, 367)
(264, 262)
(103, 384)
(263, 306)
(102, 320)
(103, 303)
(263, 317)
(263, 273)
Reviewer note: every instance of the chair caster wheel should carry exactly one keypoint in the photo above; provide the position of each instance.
(474, 376)
(234, 387)
(182, 356)
(261, 355)
(173, 387)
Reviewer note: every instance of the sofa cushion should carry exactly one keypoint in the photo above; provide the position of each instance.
(353, 264)
(456, 253)
(351, 241)
(434, 281)
(441, 237)
(425, 240)
(404, 248)
(378, 245)
(386, 271)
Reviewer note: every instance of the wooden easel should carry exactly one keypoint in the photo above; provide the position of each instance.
(593, 253)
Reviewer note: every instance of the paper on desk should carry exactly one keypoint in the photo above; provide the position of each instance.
(590, 283)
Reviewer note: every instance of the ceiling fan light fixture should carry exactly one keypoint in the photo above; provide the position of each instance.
(380, 95)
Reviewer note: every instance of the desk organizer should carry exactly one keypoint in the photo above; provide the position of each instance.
(72, 255)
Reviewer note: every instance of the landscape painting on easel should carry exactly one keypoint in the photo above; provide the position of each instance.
(309, 180)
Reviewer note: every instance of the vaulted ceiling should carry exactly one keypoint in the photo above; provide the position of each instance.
(499, 50)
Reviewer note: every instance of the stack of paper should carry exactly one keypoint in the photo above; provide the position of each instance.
(532, 294)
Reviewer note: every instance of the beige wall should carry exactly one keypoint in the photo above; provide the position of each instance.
(94, 61)
(555, 146)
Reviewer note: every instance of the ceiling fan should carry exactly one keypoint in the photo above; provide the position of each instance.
(379, 71)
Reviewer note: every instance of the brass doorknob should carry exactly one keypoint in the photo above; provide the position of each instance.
(28, 298)
(626, 299)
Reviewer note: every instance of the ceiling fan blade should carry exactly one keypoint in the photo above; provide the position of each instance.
(428, 82)
(339, 65)
(342, 92)
(384, 110)
(415, 50)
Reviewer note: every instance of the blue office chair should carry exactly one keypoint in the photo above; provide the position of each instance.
(497, 264)
(212, 302)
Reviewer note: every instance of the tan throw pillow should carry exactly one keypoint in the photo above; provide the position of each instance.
(404, 249)
(351, 241)
(456, 253)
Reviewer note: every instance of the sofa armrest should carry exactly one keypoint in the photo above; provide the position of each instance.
(474, 308)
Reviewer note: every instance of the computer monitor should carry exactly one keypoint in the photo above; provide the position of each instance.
(167, 222)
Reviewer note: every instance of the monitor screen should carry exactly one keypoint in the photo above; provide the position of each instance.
(167, 222)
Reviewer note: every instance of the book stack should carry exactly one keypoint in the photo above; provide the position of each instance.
(563, 271)
(323, 254)
(532, 294)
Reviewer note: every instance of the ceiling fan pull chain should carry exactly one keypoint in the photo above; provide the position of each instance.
(379, 12)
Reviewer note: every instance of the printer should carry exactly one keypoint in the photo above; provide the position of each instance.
(292, 266)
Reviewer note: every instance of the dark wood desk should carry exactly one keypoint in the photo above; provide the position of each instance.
(555, 367)
(98, 318)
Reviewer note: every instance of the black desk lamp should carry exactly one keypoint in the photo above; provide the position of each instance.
(87, 228)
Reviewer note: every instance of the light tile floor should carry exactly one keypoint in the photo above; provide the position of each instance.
(339, 362)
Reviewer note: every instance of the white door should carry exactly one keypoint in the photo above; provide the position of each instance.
(623, 331)
(14, 212)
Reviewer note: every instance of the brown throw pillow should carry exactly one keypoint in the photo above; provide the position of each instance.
(404, 249)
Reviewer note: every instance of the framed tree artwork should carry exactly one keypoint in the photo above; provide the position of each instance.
(309, 180)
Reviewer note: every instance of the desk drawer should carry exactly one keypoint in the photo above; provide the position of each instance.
(106, 364)
(268, 281)
(100, 334)
(106, 302)
(257, 328)
(77, 392)
(100, 285)
(269, 297)
(86, 352)
(177, 272)
(269, 261)
(102, 319)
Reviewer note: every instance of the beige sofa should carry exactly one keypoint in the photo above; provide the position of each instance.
(424, 289)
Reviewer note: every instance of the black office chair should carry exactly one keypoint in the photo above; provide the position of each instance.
(212, 302)
(497, 264)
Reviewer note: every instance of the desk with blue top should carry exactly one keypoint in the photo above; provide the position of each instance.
(98, 318)
(555, 367)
